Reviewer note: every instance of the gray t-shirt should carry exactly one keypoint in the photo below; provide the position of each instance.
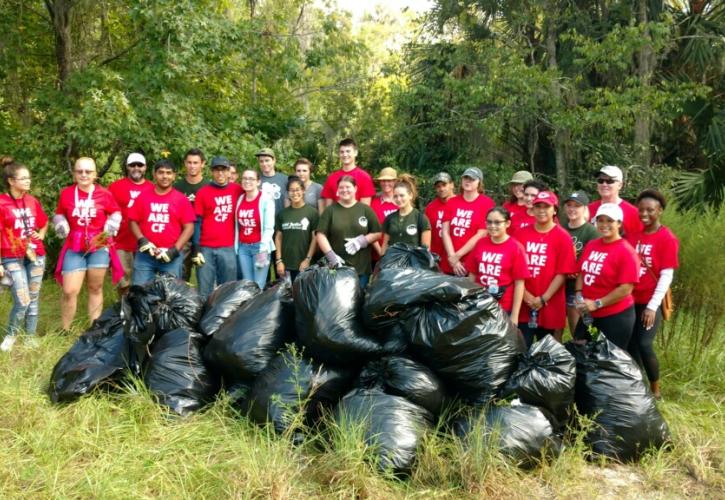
(312, 194)
(276, 187)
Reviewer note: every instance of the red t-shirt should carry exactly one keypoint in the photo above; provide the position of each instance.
(549, 254)
(435, 211)
(125, 192)
(365, 186)
(631, 223)
(382, 209)
(250, 220)
(514, 208)
(605, 266)
(86, 212)
(498, 264)
(657, 251)
(519, 221)
(161, 217)
(465, 218)
(215, 206)
(17, 219)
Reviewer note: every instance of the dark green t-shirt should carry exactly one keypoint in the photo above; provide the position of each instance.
(580, 236)
(297, 226)
(188, 189)
(405, 228)
(338, 223)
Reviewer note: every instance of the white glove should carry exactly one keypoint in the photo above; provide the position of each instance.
(261, 260)
(144, 245)
(354, 245)
(60, 225)
(334, 260)
(197, 258)
(113, 223)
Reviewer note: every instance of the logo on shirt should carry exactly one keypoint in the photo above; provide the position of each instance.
(247, 221)
(85, 210)
(222, 207)
(159, 217)
(24, 216)
(461, 222)
(296, 226)
(537, 257)
(271, 189)
(363, 221)
(412, 229)
(132, 194)
(592, 267)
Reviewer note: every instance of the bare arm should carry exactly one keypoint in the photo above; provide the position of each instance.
(384, 246)
(321, 205)
(537, 302)
(323, 242)
(518, 298)
(425, 238)
(135, 230)
(366, 200)
(185, 235)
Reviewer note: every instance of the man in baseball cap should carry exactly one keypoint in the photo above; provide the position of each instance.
(609, 183)
(473, 173)
(274, 183)
(444, 187)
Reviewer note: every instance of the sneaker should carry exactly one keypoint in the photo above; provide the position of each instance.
(31, 341)
(8, 343)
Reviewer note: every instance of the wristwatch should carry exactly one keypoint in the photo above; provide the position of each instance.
(598, 303)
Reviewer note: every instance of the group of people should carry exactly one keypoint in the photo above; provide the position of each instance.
(605, 263)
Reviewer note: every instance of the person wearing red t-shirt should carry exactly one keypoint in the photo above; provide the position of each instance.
(213, 242)
(347, 150)
(444, 188)
(464, 222)
(516, 203)
(87, 217)
(383, 204)
(609, 269)
(254, 229)
(609, 184)
(23, 225)
(550, 252)
(125, 191)
(658, 252)
(521, 219)
(498, 263)
(162, 220)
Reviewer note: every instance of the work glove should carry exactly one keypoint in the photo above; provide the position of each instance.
(145, 246)
(197, 258)
(334, 260)
(113, 223)
(60, 225)
(167, 255)
(354, 245)
(261, 260)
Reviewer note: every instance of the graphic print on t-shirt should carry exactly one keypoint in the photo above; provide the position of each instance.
(537, 253)
(158, 216)
(222, 207)
(592, 266)
(490, 268)
(461, 222)
(24, 220)
(247, 221)
(84, 210)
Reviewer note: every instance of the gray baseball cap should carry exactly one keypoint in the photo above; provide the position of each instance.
(473, 173)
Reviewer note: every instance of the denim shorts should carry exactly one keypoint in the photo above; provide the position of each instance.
(77, 261)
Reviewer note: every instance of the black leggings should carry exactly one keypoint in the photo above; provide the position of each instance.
(531, 333)
(640, 345)
(616, 327)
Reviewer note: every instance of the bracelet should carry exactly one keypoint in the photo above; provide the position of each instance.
(577, 291)
(543, 301)
(308, 258)
(278, 261)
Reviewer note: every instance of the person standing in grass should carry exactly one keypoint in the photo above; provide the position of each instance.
(407, 224)
(23, 225)
(609, 269)
(364, 187)
(498, 263)
(294, 238)
(658, 251)
(516, 203)
(610, 181)
(192, 182)
(303, 170)
(444, 188)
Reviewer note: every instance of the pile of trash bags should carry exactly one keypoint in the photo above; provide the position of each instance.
(416, 351)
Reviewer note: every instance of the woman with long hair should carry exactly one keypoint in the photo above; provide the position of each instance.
(294, 237)
(254, 239)
(407, 224)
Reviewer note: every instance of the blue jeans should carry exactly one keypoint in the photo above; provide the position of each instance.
(219, 267)
(145, 268)
(245, 256)
(27, 278)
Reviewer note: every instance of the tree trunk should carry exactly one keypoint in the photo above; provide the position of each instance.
(643, 118)
(60, 14)
(561, 137)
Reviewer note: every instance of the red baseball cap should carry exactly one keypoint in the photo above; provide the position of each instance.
(546, 197)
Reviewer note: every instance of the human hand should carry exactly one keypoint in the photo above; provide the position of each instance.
(167, 255)
(197, 258)
(648, 318)
(145, 246)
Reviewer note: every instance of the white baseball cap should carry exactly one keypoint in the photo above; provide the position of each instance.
(611, 210)
(612, 171)
(135, 158)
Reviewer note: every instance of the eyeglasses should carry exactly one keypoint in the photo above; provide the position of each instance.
(606, 181)
(495, 222)
(22, 178)
(86, 172)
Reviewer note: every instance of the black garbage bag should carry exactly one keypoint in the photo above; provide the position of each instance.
(522, 433)
(176, 375)
(472, 345)
(99, 356)
(611, 389)
(223, 302)
(159, 306)
(327, 305)
(545, 377)
(251, 337)
(394, 338)
(402, 255)
(388, 299)
(407, 378)
(391, 424)
(293, 391)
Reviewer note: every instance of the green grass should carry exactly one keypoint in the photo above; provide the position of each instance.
(121, 444)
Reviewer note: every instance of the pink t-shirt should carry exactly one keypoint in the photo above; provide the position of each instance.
(631, 223)
(435, 211)
(215, 206)
(657, 251)
(365, 186)
(465, 218)
(125, 192)
(161, 217)
(498, 264)
(250, 220)
(18, 217)
(605, 266)
(86, 211)
(549, 254)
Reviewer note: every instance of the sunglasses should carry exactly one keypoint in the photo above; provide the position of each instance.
(136, 165)
(606, 181)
